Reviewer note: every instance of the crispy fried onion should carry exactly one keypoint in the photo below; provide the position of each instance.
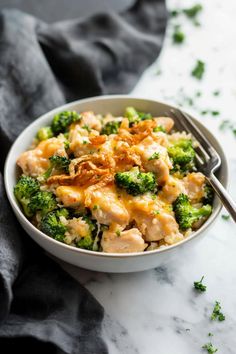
(125, 156)
(86, 170)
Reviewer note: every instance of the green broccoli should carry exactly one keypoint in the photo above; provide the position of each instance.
(111, 127)
(87, 242)
(44, 133)
(42, 201)
(136, 182)
(58, 163)
(186, 215)
(182, 155)
(63, 120)
(135, 116)
(52, 226)
(25, 188)
(208, 195)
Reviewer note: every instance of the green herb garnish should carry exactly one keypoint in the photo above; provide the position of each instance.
(225, 217)
(199, 286)
(178, 35)
(193, 11)
(86, 127)
(154, 156)
(209, 348)
(215, 113)
(216, 313)
(198, 70)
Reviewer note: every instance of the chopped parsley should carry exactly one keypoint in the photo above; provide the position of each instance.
(199, 286)
(198, 70)
(215, 113)
(159, 128)
(210, 334)
(225, 124)
(178, 35)
(85, 142)
(209, 348)
(216, 313)
(225, 217)
(66, 144)
(216, 93)
(156, 212)
(204, 112)
(118, 232)
(198, 94)
(95, 207)
(154, 156)
(86, 127)
(193, 11)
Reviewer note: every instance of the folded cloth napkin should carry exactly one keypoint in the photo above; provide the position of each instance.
(43, 66)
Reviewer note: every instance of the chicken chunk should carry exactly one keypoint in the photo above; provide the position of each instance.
(35, 162)
(160, 165)
(172, 189)
(70, 196)
(105, 205)
(166, 122)
(194, 185)
(158, 227)
(124, 242)
(91, 120)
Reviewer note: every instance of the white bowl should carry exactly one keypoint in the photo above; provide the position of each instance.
(104, 262)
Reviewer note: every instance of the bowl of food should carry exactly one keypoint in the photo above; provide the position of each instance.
(110, 184)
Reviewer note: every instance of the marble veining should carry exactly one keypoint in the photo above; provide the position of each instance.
(158, 311)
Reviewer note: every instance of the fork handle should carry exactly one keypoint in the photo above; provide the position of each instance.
(224, 196)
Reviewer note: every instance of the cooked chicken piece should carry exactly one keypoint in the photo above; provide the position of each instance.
(160, 165)
(159, 226)
(105, 205)
(123, 242)
(166, 122)
(194, 185)
(35, 162)
(70, 196)
(172, 188)
(91, 120)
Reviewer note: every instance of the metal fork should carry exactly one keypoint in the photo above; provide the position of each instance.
(208, 160)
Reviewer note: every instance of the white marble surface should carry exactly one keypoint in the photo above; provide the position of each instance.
(149, 312)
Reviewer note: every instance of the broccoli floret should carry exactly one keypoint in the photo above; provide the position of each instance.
(185, 214)
(135, 116)
(208, 195)
(87, 242)
(63, 120)
(111, 127)
(44, 133)
(136, 182)
(52, 226)
(182, 155)
(25, 188)
(43, 202)
(59, 163)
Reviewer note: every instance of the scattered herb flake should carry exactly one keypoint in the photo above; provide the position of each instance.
(154, 156)
(158, 72)
(216, 313)
(210, 334)
(95, 207)
(66, 144)
(154, 196)
(118, 232)
(159, 128)
(178, 35)
(199, 286)
(204, 112)
(216, 93)
(225, 217)
(193, 11)
(175, 13)
(86, 127)
(209, 348)
(198, 94)
(198, 70)
(225, 124)
(85, 142)
(156, 212)
(215, 113)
